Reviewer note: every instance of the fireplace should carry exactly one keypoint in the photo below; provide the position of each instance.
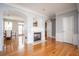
(37, 36)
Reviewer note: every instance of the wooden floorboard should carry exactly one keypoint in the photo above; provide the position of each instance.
(49, 48)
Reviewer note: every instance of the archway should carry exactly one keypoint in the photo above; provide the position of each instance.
(11, 18)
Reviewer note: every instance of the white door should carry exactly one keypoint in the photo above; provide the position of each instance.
(68, 29)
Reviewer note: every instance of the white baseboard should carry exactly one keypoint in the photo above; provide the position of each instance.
(52, 36)
(75, 39)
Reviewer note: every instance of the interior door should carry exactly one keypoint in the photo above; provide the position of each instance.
(68, 29)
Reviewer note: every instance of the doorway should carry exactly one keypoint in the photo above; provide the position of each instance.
(45, 30)
(50, 28)
(53, 28)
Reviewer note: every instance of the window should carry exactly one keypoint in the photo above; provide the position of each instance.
(8, 25)
(20, 28)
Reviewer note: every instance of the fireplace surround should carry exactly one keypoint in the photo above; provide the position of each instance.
(37, 36)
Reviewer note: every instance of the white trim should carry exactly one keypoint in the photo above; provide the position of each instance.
(1, 33)
(14, 18)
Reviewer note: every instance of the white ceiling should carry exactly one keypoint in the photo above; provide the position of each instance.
(47, 8)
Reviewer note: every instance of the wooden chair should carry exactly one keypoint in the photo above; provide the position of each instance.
(8, 35)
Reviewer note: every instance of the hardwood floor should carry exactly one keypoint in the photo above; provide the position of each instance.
(17, 47)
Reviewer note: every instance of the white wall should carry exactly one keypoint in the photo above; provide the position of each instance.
(37, 28)
(1, 33)
(78, 25)
(49, 28)
(42, 27)
(29, 24)
(30, 29)
(60, 29)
